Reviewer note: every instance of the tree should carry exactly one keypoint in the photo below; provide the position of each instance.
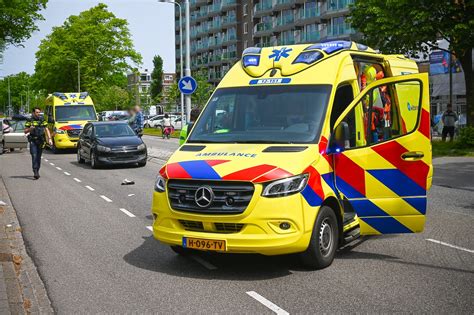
(411, 26)
(18, 90)
(112, 98)
(203, 91)
(17, 20)
(156, 77)
(99, 40)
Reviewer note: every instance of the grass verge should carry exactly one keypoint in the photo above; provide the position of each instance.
(158, 133)
(450, 149)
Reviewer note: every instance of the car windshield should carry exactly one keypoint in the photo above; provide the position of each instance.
(75, 112)
(113, 130)
(263, 114)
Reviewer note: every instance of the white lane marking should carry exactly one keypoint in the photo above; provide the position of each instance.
(106, 198)
(52, 164)
(77, 180)
(45, 160)
(275, 308)
(131, 215)
(66, 173)
(450, 245)
(90, 188)
(58, 168)
(130, 195)
(150, 228)
(203, 262)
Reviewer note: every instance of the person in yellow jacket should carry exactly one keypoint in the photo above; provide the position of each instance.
(187, 129)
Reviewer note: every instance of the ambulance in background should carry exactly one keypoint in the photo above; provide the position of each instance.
(67, 113)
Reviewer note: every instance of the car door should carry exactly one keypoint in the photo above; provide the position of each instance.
(85, 140)
(16, 138)
(385, 170)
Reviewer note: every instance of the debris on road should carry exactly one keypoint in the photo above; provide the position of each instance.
(128, 182)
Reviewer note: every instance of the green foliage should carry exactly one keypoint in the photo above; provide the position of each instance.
(204, 90)
(17, 20)
(411, 26)
(18, 90)
(466, 138)
(173, 96)
(111, 98)
(99, 40)
(156, 77)
(450, 149)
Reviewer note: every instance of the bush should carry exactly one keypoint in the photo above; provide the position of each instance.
(466, 138)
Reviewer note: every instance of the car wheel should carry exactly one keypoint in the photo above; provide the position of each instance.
(12, 149)
(2, 145)
(94, 162)
(53, 148)
(147, 126)
(142, 163)
(80, 160)
(180, 250)
(324, 240)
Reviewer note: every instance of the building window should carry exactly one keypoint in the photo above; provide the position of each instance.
(246, 28)
(245, 9)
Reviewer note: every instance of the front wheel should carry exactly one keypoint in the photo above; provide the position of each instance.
(141, 163)
(80, 160)
(94, 162)
(324, 239)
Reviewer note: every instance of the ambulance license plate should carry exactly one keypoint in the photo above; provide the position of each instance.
(204, 244)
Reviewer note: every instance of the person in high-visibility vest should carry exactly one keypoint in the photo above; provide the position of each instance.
(183, 135)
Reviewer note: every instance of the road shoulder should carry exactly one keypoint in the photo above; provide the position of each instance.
(21, 288)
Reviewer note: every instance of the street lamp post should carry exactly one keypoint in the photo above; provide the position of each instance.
(78, 73)
(27, 96)
(180, 51)
(188, 60)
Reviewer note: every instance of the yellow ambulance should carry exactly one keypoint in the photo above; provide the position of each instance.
(301, 149)
(67, 113)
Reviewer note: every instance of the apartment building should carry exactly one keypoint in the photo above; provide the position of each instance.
(221, 29)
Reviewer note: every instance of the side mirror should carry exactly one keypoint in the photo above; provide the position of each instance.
(339, 138)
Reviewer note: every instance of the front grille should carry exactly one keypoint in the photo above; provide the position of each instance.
(228, 227)
(192, 225)
(229, 197)
(74, 133)
(125, 148)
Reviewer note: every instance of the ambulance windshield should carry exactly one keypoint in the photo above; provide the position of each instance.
(263, 114)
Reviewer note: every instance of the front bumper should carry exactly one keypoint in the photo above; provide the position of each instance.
(63, 141)
(261, 232)
(128, 157)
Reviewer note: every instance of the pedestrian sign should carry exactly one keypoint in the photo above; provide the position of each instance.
(187, 85)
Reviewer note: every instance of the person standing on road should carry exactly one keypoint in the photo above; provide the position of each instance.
(185, 130)
(38, 132)
(449, 119)
(138, 121)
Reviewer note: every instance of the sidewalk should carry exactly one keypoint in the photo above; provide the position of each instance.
(21, 288)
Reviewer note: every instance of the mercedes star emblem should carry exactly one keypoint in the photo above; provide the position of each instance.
(204, 196)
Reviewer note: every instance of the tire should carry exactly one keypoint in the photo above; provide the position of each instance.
(54, 149)
(180, 250)
(94, 162)
(2, 146)
(324, 240)
(12, 149)
(142, 163)
(147, 126)
(80, 160)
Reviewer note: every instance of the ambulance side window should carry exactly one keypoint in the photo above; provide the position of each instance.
(355, 122)
(344, 96)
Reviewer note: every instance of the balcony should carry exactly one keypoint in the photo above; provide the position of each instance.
(282, 4)
(262, 29)
(228, 4)
(228, 21)
(307, 16)
(215, 60)
(309, 37)
(214, 25)
(264, 7)
(284, 22)
(229, 39)
(340, 30)
(229, 56)
(286, 40)
(214, 9)
(336, 8)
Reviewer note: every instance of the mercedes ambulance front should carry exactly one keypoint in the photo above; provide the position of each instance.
(256, 173)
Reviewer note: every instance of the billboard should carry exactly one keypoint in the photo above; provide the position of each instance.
(439, 63)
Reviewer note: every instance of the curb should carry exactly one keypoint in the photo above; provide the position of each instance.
(24, 290)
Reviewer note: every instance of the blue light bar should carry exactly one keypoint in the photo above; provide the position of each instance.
(331, 47)
(308, 57)
(251, 60)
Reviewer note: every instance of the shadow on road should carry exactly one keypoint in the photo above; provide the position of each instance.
(23, 177)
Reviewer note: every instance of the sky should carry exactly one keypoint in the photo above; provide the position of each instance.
(151, 25)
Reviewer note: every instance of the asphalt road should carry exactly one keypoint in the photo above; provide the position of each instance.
(95, 257)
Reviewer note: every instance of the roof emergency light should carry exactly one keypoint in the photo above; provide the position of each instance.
(308, 57)
(250, 60)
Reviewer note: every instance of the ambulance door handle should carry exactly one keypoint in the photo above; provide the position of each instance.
(413, 156)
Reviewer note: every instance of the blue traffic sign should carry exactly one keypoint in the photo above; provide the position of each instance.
(187, 85)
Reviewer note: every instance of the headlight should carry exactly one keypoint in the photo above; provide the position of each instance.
(59, 131)
(160, 184)
(102, 148)
(285, 187)
(141, 147)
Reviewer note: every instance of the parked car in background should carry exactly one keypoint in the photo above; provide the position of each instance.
(152, 122)
(111, 142)
(13, 137)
